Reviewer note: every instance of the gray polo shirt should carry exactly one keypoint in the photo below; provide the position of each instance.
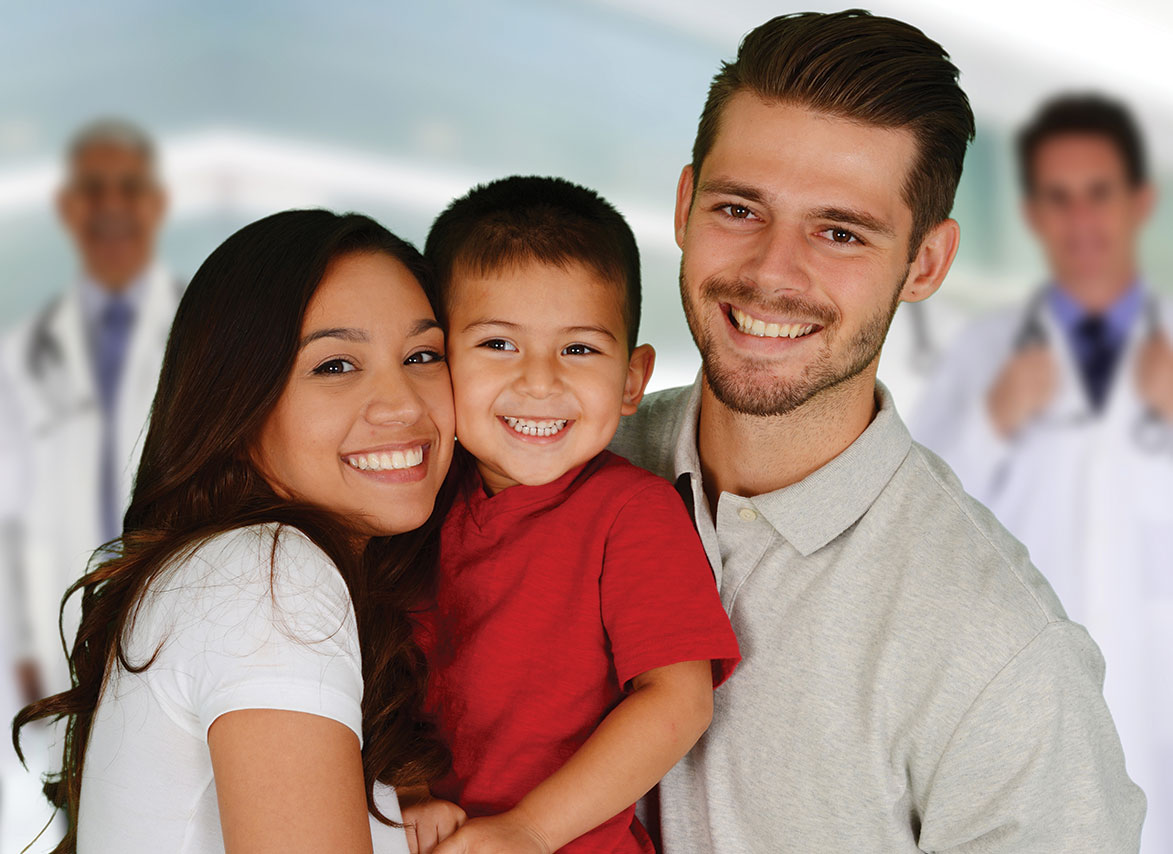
(909, 680)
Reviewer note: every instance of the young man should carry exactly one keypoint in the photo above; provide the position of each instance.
(909, 680)
(1058, 414)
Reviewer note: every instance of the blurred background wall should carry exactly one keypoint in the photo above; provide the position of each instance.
(393, 108)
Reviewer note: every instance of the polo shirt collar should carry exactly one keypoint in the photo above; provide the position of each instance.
(813, 512)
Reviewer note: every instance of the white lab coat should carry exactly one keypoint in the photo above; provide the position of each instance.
(1096, 512)
(55, 412)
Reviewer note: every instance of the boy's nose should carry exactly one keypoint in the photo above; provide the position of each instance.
(539, 377)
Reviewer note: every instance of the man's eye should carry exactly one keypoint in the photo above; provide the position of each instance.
(424, 357)
(840, 235)
(335, 366)
(737, 211)
(499, 344)
(578, 350)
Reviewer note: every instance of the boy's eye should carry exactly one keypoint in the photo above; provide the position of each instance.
(335, 366)
(499, 344)
(578, 350)
(424, 357)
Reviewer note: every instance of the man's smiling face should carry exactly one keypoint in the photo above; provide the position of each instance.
(795, 237)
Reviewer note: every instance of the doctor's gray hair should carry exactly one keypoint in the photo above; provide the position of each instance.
(112, 130)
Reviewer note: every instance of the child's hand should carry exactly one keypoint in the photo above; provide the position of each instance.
(507, 833)
(429, 822)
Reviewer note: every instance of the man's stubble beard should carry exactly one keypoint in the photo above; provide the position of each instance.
(752, 389)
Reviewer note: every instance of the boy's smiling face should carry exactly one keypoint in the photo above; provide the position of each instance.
(540, 369)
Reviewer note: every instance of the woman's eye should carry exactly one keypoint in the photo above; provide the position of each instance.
(840, 235)
(335, 366)
(424, 357)
(499, 344)
(578, 350)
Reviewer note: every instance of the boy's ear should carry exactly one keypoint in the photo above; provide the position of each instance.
(639, 371)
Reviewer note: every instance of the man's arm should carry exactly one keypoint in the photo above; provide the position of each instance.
(1035, 764)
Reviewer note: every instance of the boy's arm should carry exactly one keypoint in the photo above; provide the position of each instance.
(667, 710)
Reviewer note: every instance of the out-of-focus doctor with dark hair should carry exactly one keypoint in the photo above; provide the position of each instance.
(1058, 415)
(76, 382)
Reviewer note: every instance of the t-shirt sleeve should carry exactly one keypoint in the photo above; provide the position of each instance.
(269, 625)
(660, 603)
(1035, 764)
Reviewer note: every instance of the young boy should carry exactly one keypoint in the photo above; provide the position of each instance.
(577, 633)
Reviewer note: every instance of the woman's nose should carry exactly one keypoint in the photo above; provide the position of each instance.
(394, 401)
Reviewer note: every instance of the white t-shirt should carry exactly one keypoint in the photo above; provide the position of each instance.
(256, 618)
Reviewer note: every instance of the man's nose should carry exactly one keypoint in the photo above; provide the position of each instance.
(777, 260)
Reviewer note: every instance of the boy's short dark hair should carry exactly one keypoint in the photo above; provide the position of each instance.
(862, 67)
(517, 220)
(1083, 113)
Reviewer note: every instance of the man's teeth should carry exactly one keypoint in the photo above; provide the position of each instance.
(535, 428)
(753, 326)
(387, 460)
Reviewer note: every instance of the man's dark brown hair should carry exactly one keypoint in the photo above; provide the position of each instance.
(869, 69)
(1083, 114)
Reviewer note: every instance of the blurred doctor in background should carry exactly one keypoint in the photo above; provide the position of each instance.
(1058, 415)
(76, 382)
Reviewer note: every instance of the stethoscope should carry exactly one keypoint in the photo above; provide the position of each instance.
(1150, 433)
(46, 366)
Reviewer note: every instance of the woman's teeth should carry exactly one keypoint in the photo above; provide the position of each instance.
(752, 326)
(387, 460)
(535, 428)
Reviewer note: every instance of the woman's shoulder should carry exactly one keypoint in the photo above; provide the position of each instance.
(261, 568)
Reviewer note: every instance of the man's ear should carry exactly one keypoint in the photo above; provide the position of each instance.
(639, 371)
(683, 203)
(932, 261)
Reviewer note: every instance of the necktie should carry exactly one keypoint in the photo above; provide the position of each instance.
(113, 333)
(1097, 357)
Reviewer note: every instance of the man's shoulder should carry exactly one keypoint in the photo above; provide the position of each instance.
(977, 566)
(648, 437)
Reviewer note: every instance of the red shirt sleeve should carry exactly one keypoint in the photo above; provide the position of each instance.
(660, 603)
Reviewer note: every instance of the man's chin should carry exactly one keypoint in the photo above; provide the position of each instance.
(756, 392)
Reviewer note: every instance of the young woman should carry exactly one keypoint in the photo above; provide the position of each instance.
(244, 674)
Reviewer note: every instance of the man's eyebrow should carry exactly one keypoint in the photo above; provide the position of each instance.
(858, 218)
(721, 187)
(344, 333)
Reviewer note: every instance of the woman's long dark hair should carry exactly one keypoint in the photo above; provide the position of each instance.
(232, 348)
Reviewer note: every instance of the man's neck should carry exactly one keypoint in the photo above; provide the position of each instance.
(1097, 295)
(751, 455)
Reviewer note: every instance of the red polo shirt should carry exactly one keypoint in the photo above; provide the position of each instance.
(550, 600)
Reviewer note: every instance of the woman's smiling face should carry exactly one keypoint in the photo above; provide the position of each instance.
(364, 427)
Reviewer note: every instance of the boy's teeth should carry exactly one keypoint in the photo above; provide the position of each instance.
(526, 427)
(387, 460)
(752, 326)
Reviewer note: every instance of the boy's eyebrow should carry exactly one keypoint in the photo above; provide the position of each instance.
(601, 330)
(477, 324)
(858, 218)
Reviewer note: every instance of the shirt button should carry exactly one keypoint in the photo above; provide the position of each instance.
(748, 514)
